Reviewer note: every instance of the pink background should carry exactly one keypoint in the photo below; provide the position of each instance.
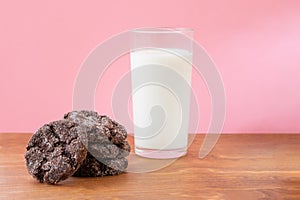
(256, 45)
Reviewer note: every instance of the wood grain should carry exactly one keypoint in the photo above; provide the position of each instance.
(245, 166)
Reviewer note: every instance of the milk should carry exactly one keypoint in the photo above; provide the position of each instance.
(151, 91)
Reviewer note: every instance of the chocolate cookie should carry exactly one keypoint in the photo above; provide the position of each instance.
(100, 128)
(55, 151)
(91, 167)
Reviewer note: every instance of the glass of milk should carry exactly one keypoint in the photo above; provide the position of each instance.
(161, 68)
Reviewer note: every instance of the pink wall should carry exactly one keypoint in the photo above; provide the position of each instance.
(256, 45)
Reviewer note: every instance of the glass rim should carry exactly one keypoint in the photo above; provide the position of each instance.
(163, 30)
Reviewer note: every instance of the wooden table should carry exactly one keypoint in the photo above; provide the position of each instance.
(246, 166)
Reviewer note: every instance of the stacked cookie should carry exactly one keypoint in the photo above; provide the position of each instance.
(107, 147)
(82, 144)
